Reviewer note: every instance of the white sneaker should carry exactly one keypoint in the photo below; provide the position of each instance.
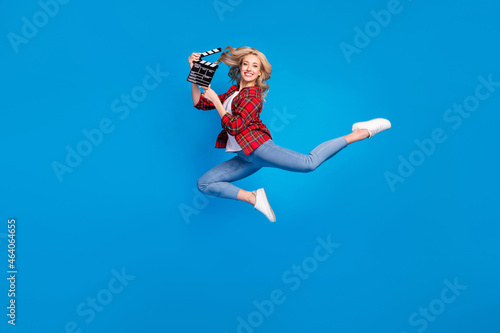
(262, 205)
(373, 126)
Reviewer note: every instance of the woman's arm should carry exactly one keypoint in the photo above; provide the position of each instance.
(195, 93)
(243, 113)
(215, 99)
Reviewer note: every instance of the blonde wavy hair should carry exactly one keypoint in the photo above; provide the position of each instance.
(234, 58)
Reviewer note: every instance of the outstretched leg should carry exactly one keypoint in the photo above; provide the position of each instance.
(271, 155)
(274, 156)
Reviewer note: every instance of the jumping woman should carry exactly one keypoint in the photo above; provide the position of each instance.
(245, 135)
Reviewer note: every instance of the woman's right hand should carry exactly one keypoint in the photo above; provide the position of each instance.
(195, 56)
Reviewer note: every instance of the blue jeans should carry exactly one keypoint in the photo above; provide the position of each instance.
(217, 181)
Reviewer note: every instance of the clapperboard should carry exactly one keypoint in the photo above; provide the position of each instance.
(203, 71)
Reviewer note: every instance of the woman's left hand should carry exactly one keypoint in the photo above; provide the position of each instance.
(210, 94)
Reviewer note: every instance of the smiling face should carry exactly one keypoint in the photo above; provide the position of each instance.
(249, 70)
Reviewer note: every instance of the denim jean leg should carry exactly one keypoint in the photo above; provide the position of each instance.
(274, 156)
(217, 181)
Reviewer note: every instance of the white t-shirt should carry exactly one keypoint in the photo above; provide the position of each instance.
(231, 146)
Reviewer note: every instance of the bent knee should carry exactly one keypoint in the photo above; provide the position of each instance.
(202, 185)
(309, 168)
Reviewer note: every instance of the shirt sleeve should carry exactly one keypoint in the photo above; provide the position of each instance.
(204, 104)
(243, 113)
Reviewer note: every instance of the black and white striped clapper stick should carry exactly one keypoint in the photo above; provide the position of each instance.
(204, 54)
(209, 64)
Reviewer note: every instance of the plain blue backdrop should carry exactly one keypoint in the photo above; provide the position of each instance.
(119, 240)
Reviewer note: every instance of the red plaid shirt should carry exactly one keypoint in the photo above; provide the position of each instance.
(244, 124)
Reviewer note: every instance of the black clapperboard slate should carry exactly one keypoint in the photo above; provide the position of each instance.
(203, 71)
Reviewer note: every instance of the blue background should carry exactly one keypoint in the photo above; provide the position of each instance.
(121, 207)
